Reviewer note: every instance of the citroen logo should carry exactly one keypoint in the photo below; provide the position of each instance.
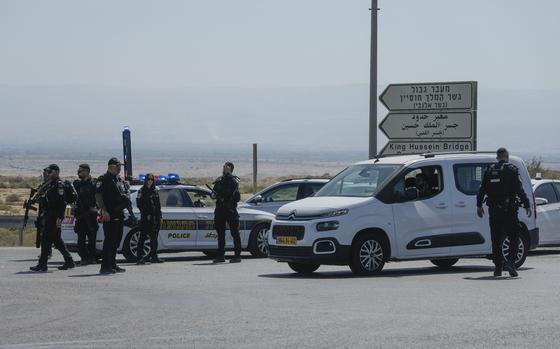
(292, 215)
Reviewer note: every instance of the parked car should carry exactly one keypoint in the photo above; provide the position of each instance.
(372, 213)
(273, 197)
(547, 198)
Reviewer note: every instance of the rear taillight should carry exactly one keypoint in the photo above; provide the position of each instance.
(534, 206)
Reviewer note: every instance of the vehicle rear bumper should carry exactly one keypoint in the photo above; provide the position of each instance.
(533, 238)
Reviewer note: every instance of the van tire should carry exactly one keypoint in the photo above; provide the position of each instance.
(302, 268)
(444, 263)
(521, 259)
(368, 255)
(258, 240)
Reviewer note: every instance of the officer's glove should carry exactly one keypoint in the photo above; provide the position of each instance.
(529, 211)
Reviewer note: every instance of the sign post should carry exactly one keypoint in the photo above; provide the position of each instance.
(429, 117)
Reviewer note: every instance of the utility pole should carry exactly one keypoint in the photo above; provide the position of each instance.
(373, 83)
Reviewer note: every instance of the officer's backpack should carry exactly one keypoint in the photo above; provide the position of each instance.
(70, 195)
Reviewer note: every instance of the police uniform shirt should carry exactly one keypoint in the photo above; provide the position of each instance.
(505, 176)
(114, 192)
(86, 195)
(148, 203)
(53, 200)
(227, 190)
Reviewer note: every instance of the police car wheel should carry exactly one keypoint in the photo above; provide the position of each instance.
(303, 268)
(444, 263)
(258, 240)
(522, 250)
(130, 245)
(368, 255)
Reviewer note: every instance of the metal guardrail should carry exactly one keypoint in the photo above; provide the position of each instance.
(15, 221)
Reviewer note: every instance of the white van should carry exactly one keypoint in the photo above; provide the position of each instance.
(372, 213)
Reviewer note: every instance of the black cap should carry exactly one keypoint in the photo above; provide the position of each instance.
(114, 161)
(53, 167)
(84, 166)
(230, 165)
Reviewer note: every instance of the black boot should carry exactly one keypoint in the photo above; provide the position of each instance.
(141, 261)
(511, 269)
(68, 264)
(156, 259)
(219, 259)
(498, 270)
(236, 259)
(39, 268)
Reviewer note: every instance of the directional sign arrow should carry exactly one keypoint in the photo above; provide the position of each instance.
(430, 96)
(428, 125)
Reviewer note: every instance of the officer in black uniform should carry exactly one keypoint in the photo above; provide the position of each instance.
(226, 193)
(148, 203)
(86, 216)
(40, 220)
(502, 187)
(52, 201)
(112, 198)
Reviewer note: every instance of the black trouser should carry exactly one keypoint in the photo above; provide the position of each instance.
(231, 217)
(113, 234)
(504, 223)
(52, 235)
(40, 225)
(148, 228)
(86, 227)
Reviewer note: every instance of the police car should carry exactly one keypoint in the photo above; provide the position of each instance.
(271, 198)
(547, 198)
(187, 224)
(373, 212)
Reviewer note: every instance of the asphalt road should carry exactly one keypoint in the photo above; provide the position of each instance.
(190, 303)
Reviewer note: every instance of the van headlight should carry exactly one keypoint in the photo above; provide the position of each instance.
(325, 226)
(336, 213)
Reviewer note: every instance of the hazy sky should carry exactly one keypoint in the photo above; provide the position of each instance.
(254, 43)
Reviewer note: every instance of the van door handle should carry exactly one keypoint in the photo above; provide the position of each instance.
(461, 204)
(441, 205)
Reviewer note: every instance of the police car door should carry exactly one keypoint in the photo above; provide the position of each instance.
(422, 224)
(472, 234)
(178, 225)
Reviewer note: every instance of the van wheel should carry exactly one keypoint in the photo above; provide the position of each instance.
(130, 245)
(368, 255)
(444, 263)
(258, 240)
(522, 250)
(303, 268)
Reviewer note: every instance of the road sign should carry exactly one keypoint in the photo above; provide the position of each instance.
(430, 96)
(416, 147)
(428, 125)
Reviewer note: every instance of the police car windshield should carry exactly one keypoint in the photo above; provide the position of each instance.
(358, 180)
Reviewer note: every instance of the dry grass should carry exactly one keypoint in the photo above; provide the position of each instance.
(535, 166)
(10, 237)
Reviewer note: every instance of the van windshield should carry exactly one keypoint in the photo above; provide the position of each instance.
(358, 180)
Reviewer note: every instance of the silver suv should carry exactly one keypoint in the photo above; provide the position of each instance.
(273, 197)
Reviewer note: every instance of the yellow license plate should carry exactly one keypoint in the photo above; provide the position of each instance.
(286, 240)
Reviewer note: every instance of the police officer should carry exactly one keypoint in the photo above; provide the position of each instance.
(226, 193)
(148, 203)
(86, 216)
(52, 200)
(40, 220)
(112, 198)
(502, 187)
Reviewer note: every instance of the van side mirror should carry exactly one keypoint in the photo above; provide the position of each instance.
(410, 194)
(258, 199)
(541, 201)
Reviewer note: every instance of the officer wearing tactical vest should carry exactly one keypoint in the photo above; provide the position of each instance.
(148, 203)
(226, 193)
(86, 216)
(112, 196)
(502, 187)
(53, 200)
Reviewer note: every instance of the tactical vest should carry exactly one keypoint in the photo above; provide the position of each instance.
(498, 194)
